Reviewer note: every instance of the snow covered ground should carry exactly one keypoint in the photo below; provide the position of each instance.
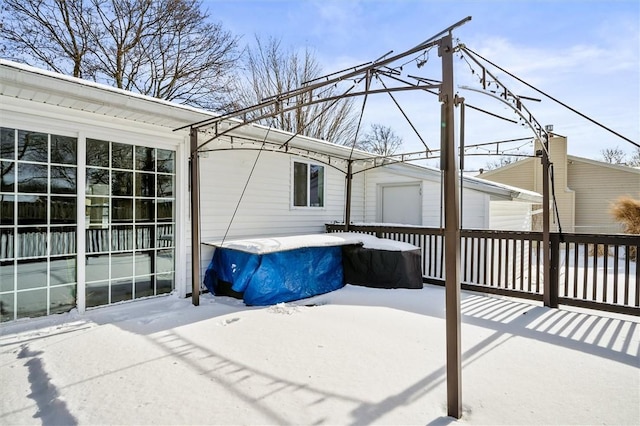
(354, 356)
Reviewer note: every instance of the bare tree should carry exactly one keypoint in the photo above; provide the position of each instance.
(381, 140)
(613, 155)
(55, 34)
(634, 160)
(271, 69)
(162, 48)
(501, 162)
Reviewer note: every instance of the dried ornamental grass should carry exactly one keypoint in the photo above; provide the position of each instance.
(626, 210)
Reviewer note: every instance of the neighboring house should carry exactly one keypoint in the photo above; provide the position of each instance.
(584, 189)
(94, 193)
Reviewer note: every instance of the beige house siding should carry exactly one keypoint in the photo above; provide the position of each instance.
(584, 189)
(597, 188)
(515, 174)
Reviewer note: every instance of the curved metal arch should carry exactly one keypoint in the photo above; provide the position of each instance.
(540, 133)
(297, 154)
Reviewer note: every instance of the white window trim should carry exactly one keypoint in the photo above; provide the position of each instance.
(292, 206)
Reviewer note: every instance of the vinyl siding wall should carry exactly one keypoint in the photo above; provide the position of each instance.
(527, 174)
(265, 209)
(517, 174)
(474, 206)
(597, 187)
(510, 216)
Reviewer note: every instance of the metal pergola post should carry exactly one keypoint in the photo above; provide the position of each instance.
(347, 202)
(550, 291)
(194, 171)
(449, 165)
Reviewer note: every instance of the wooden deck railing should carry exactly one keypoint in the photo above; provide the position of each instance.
(589, 270)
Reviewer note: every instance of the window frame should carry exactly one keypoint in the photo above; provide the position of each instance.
(323, 197)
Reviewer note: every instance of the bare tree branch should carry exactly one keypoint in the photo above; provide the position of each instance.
(163, 48)
(381, 140)
(270, 69)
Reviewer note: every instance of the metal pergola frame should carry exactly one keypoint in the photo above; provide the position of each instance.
(448, 164)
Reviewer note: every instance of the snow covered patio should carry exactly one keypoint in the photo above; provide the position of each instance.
(354, 356)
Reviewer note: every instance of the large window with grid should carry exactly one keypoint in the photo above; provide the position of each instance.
(129, 221)
(129, 224)
(38, 223)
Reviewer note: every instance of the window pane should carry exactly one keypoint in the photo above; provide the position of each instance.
(97, 240)
(165, 236)
(64, 150)
(166, 161)
(299, 184)
(8, 308)
(122, 238)
(63, 210)
(145, 158)
(6, 243)
(165, 211)
(6, 275)
(97, 153)
(144, 286)
(33, 178)
(165, 262)
(32, 210)
(97, 182)
(32, 242)
(316, 186)
(7, 143)
(7, 203)
(164, 283)
(97, 267)
(165, 186)
(7, 176)
(63, 240)
(144, 237)
(121, 290)
(121, 183)
(62, 299)
(145, 210)
(33, 146)
(97, 294)
(145, 185)
(63, 270)
(145, 262)
(63, 180)
(97, 212)
(32, 273)
(121, 265)
(121, 156)
(122, 210)
(32, 303)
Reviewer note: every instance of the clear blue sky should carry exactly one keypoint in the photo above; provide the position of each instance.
(585, 53)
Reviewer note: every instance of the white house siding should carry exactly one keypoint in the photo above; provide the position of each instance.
(474, 206)
(510, 216)
(266, 207)
(475, 209)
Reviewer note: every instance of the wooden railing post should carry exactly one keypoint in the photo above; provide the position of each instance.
(554, 272)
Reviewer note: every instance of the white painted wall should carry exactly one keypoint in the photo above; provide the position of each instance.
(474, 207)
(510, 216)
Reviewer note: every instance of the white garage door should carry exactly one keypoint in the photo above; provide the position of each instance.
(402, 204)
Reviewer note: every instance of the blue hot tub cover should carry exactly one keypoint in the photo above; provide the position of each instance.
(277, 276)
